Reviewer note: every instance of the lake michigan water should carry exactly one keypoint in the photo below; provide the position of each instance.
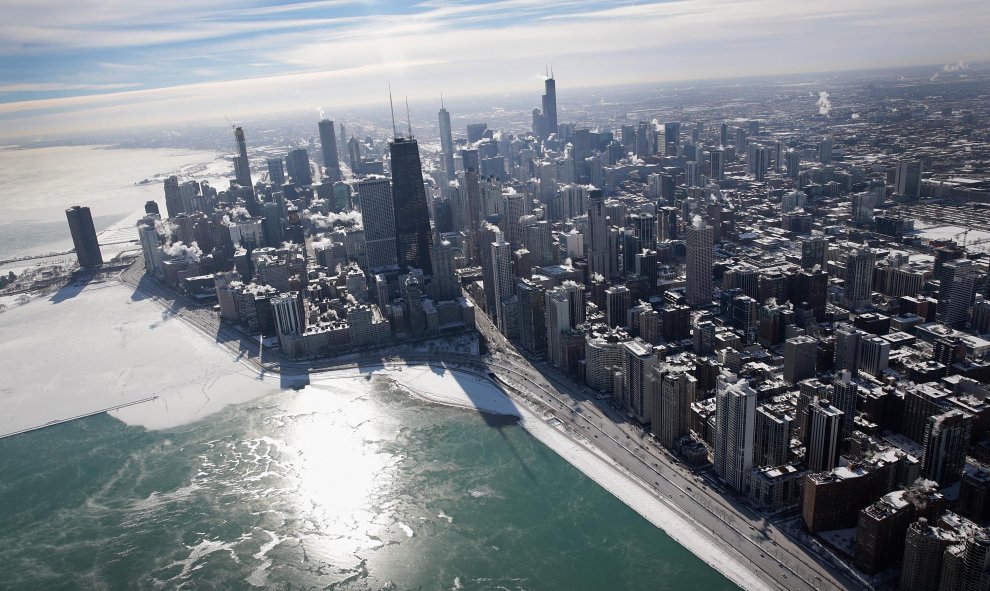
(354, 486)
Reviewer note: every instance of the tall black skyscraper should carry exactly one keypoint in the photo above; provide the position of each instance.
(328, 144)
(412, 215)
(84, 236)
(550, 104)
(545, 119)
(242, 168)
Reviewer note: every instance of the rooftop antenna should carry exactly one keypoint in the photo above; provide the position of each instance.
(392, 108)
(232, 126)
(546, 70)
(551, 70)
(408, 120)
(441, 99)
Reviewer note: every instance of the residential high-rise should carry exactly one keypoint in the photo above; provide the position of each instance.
(242, 166)
(946, 442)
(413, 235)
(378, 220)
(825, 150)
(924, 548)
(565, 310)
(638, 360)
(772, 441)
(717, 163)
(957, 290)
(276, 172)
(823, 436)
(501, 256)
(444, 284)
(354, 156)
(859, 277)
(446, 144)
(173, 197)
(676, 389)
(84, 238)
(671, 138)
(328, 145)
(700, 243)
(286, 310)
(735, 427)
(907, 180)
(150, 244)
(800, 358)
(532, 317)
(297, 165)
(845, 394)
(599, 256)
(618, 300)
(873, 355)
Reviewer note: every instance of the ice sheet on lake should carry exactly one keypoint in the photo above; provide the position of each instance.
(100, 349)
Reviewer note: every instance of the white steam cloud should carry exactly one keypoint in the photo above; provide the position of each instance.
(329, 220)
(180, 251)
(697, 222)
(165, 228)
(824, 105)
(956, 67)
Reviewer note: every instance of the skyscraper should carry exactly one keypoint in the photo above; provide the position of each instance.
(735, 427)
(545, 119)
(173, 197)
(413, 236)
(800, 356)
(717, 157)
(946, 442)
(446, 143)
(599, 258)
(823, 436)
(504, 281)
(242, 167)
(328, 145)
(700, 242)
(907, 179)
(957, 288)
(672, 407)
(84, 236)
(859, 277)
(297, 165)
(276, 172)
(638, 360)
(378, 220)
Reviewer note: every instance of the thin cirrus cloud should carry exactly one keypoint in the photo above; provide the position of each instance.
(97, 64)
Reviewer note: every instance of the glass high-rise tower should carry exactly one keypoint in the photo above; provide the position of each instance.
(84, 236)
(328, 145)
(413, 237)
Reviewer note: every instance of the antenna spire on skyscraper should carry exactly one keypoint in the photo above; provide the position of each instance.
(408, 120)
(441, 99)
(391, 108)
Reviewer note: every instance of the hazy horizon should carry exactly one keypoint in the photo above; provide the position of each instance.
(102, 65)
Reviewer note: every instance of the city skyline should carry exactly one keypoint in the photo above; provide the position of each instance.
(90, 67)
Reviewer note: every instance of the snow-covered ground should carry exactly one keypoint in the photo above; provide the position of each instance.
(939, 232)
(438, 384)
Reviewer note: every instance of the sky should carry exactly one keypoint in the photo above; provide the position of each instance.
(94, 65)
